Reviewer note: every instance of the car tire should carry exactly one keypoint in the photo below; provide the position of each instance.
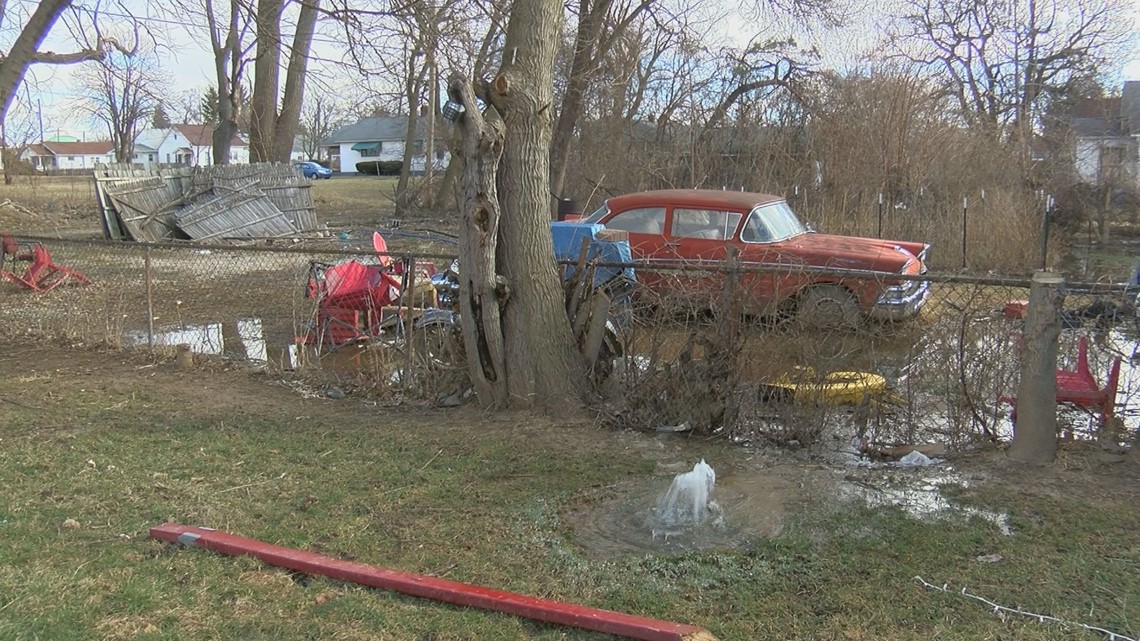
(829, 307)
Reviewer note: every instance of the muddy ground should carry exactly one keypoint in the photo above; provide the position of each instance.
(760, 481)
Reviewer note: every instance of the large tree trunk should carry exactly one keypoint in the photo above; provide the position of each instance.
(480, 148)
(227, 72)
(285, 131)
(543, 364)
(266, 69)
(539, 364)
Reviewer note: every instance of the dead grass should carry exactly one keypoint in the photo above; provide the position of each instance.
(118, 444)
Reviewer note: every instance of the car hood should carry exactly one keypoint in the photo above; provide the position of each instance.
(848, 252)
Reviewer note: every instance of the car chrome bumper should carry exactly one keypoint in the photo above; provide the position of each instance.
(891, 308)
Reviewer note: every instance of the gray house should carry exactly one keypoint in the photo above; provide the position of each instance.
(382, 138)
(1107, 138)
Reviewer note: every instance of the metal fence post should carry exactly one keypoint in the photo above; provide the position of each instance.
(965, 241)
(879, 233)
(1035, 431)
(1046, 224)
(149, 297)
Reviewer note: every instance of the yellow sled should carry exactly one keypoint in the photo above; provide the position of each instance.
(836, 388)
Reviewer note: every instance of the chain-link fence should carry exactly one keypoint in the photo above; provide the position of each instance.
(754, 354)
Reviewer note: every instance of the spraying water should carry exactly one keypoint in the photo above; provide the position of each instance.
(688, 502)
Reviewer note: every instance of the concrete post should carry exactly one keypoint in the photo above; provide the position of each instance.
(1035, 434)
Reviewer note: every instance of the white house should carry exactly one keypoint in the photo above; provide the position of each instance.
(184, 145)
(382, 138)
(68, 155)
(1107, 131)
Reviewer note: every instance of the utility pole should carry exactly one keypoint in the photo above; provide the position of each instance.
(40, 113)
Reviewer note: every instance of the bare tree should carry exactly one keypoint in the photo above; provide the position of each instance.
(1002, 60)
(597, 31)
(120, 93)
(519, 343)
(320, 117)
(228, 35)
(25, 50)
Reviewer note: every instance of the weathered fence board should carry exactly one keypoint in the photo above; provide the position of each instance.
(143, 205)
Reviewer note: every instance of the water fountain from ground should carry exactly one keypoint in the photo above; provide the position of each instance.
(688, 503)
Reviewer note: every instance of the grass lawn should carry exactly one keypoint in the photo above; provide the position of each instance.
(96, 447)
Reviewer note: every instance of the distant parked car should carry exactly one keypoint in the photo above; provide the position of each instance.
(313, 170)
(696, 227)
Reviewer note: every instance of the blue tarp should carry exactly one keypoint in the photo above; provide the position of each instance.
(568, 237)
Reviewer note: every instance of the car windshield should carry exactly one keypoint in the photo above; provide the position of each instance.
(596, 216)
(770, 223)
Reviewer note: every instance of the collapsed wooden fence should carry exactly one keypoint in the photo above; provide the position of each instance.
(216, 202)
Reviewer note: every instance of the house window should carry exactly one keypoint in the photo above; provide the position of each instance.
(71, 159)
(418, 146)
(369, 149)
(150, 157)
(439, 154)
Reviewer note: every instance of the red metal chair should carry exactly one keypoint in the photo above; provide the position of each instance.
(1080, 388)
(41, 274)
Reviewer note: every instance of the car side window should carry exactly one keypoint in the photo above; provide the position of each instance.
(706, 224)
(755, 231)
(646, 220)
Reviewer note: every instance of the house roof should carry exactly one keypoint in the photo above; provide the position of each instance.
(97, 148)
(1109, 117)
(203, 135)
(376, 129)
(38, 149)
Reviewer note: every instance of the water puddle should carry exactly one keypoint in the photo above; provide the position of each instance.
(202, 339)
(745, 506)
(207, 338)
(920, 495)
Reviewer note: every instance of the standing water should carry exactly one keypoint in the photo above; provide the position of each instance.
(688, 503)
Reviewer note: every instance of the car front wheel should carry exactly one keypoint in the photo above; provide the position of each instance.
(829, 307)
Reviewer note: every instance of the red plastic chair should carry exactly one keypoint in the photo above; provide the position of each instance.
(41, 274)
(351, 297)
(1079, 387)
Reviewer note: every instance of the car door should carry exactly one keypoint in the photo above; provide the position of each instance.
(760, 247)
(699, 237)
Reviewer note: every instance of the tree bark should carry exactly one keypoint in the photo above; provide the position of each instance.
(285, 125)
(227, 73)
(266, 69)
(543, 365)
(479, 151)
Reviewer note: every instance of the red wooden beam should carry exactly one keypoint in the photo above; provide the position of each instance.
(578, 616)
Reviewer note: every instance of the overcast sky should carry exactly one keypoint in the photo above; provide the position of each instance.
(187, 64)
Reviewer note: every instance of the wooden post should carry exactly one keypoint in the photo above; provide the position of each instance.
(1035, 431)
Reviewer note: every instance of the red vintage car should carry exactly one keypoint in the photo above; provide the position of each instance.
(696, 227)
